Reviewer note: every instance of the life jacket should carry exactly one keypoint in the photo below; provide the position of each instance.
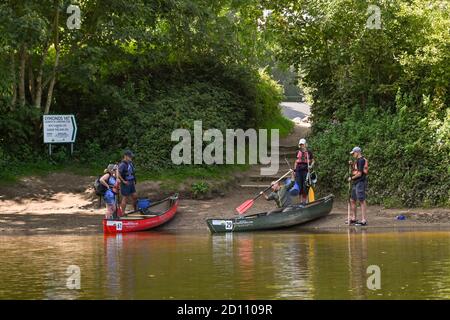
(302, 157)
(112, 181)
(365, 169)
(128, 173)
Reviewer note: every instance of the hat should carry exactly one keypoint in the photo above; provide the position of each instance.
(355, 149)
(128, 153)
(302, 141)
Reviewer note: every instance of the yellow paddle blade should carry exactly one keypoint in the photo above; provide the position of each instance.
(311, 196)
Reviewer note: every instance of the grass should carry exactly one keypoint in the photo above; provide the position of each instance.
(43, 167)
(182, 173)
(279, 122)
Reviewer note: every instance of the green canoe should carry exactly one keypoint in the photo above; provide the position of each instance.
(288, 217)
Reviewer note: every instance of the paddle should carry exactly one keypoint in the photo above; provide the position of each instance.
(249, 203)
(311, 196)
(287, 163)
(349, 192)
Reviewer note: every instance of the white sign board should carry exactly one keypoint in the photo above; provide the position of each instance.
(59, 128)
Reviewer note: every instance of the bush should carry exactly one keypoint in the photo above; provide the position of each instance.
(199, 188)
(407, 154)
(140, 108)
(269, 95)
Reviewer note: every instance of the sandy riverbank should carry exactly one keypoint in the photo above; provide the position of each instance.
(64, 203)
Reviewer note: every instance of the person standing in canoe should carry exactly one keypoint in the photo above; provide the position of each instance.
(109, 181)
(280, 194)
(358, 179)
(127, 177)
(303, 164)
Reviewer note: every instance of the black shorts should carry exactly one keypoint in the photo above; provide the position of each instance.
(359, 190)
(300, 178)
(127, 190)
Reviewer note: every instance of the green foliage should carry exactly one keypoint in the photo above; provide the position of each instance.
(284, 125)
(19, 133)
(408, 159)
(342, 63)
(140, 108)
(4, 159)
(135, 71)
(384, 89)
(199, 188)
(269, 95)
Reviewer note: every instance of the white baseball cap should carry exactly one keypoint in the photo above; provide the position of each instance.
(355, 149)
(302, 141)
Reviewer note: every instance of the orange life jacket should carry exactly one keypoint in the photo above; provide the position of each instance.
(365, 169)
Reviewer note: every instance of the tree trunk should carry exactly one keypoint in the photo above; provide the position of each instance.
(39, 86)
(55, 66)
(52, 85)
(31, 85)
(14, 81)
(23, 58)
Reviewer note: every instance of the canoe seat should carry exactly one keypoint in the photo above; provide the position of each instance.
(137, 217)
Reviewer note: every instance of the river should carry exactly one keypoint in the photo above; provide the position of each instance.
(265, 265)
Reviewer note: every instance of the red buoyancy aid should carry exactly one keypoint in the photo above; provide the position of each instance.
(302, 157)
(365, 169)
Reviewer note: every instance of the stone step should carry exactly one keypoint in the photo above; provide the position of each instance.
(285, 152)
(254, 186)
(288, 148)
(282, 167)
(263, 178)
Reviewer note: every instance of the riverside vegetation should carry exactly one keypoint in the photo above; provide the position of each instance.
(129, 85)
(385, 89)
(135, 71)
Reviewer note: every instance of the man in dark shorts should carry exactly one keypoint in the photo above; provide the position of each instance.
(127, 180)
(303, 163)
(359, 185)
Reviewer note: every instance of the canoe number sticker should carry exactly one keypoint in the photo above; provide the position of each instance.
(117, 224)
(228, 225)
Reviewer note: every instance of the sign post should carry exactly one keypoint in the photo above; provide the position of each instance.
(59, 128)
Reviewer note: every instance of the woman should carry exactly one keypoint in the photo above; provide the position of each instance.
(303, 164)
(109, 181)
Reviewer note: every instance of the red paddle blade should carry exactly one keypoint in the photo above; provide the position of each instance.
(245, 206)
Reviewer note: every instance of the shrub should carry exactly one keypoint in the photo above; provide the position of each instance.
(408, 156)
(140, 108)
(199, 188)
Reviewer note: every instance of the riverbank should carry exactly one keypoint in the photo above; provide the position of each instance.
(65, 203)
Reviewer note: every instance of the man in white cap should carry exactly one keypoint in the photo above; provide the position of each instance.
(358, 178)
(303, 163)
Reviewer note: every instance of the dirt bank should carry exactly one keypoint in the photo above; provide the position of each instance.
(64, 203)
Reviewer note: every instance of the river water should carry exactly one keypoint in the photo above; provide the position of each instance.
(264, 265)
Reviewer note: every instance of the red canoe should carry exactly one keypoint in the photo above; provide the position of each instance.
(157, 214)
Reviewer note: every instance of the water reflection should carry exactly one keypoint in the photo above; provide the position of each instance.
(113, 249)
(266, 265)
